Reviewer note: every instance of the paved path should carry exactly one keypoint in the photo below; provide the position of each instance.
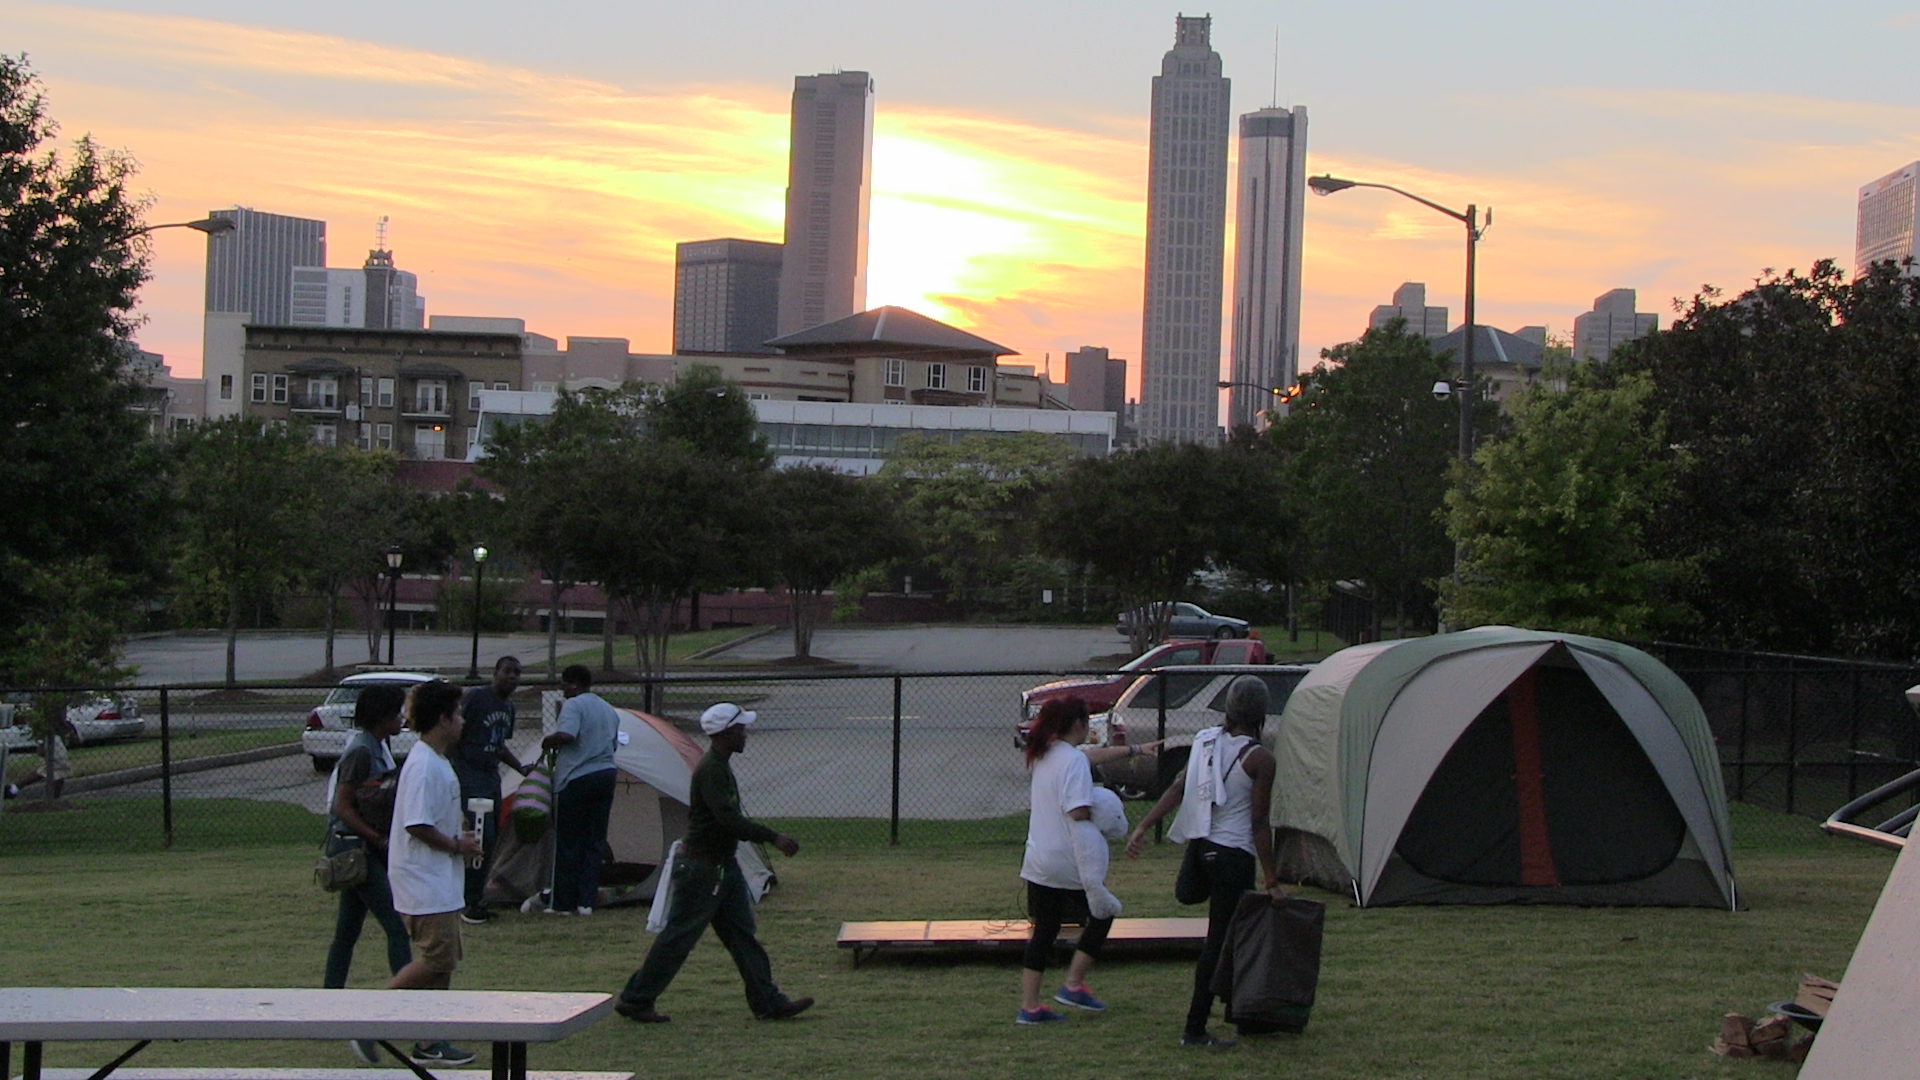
(948, 648)
(202, 658)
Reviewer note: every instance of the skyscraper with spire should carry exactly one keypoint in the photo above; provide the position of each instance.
(1186, 240)
(1266, 256)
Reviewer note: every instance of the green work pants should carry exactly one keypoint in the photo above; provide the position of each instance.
(707, 894)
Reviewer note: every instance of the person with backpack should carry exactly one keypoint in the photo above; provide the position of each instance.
(1223, 796)
(359, 813)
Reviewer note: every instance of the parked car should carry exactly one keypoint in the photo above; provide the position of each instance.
(330, 724)
(1196, 697)
(1100, 692)
(1186, 621)
(96, 718)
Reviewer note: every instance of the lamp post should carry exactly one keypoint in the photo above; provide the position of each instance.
(1327, 185)
(479, 572)
(212, 226)
(394, 555)
(1281, 394)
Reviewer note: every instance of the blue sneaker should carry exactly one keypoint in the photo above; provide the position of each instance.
(1041, 1015)
(1079, 999)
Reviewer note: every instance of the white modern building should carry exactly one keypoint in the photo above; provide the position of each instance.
(377, 296)
(1884, 229)
(1186, 240)
(1267, 250)
(1611, 322)
(1410, 303)
(853, 438)
(823, 273)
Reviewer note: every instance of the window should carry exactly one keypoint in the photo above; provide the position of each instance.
(279, 389)
(325, 435)
(430, 396)
(385, 399)
(429, 442)
(473, 440)
(323, 392)
(500, 386)
(976, 380)
(366, 436)
(226, 388)
(383, 435)
(936, 376)
(473, 395)
(257, 389)
(757, 395)
(896, 371)
(366, 391)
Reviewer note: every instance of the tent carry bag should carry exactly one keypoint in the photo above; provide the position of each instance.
(533, 802)
(1270, 965)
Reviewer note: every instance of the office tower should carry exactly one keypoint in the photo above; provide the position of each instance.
(823, 274)
(1884, 229)
(726, 295)
(1410, 303)
(250, 267)
(1611, 322)
(1266, 271)
(1096, 382)
(377, 296)
(1186, 240)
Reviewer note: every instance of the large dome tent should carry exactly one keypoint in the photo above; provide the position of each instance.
(1499, 765)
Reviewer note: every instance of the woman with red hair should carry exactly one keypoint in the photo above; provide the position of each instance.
(1065, 867)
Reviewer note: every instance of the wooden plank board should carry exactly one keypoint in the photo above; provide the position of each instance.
(996, 933)
(1869, 1032)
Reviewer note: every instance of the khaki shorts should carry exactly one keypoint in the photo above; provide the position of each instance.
(436, 940)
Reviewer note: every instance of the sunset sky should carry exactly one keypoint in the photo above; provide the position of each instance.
(541, 161)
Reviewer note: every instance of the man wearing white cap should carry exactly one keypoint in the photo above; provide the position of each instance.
(708, 888)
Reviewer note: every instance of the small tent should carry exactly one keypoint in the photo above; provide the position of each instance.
(1498, 765)
(653, 762)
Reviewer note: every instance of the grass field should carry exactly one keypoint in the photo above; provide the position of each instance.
(1405, 992)
(112, 757)
(679, 647)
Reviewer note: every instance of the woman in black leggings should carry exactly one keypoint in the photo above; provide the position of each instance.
(1223, 795)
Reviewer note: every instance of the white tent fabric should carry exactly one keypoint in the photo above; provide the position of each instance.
(1306, 744)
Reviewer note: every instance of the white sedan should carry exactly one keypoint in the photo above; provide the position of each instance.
(97, 718)
(330, 724)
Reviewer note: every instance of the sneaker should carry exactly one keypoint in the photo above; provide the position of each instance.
(1079, 999)
(557, 911)
(475, 915)
(583, 911)
(365, 1051)
(787, 1010)
(639, 1014)
(1214, 1042)
(1041, 1015)
(440, 1053)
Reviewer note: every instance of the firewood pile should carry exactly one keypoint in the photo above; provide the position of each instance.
(1773, 1037)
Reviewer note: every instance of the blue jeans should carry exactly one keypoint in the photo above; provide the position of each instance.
(371, 897)
(580, 835)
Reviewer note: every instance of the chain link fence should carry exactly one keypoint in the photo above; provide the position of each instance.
(852, 759)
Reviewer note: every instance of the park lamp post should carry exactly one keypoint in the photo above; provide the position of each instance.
(212, 226)
(1281, 394)
(394, 555)
(479, 572)
(1327, 185)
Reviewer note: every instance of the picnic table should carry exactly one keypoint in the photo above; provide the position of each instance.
(506, 1018)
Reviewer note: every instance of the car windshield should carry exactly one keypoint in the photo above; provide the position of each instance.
(1280, 684)
(1185, 654)
(1183, 685)
(343, 695)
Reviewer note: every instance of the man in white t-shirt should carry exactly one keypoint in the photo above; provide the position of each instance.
(425, 852)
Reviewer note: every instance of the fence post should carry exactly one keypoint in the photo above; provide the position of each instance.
(166, 770)
(1793, 730)
(1853, 737)
(1160, 758)
(1746, 691)
(894, 838)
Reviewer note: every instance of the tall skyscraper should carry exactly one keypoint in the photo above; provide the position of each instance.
(1885, 227)
(823, 275)
(250, 267)
(1186, 240)
(1611, 322)
(1266, 272)
(726, 295)
(1410, 303)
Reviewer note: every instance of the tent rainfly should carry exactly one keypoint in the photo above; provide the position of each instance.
(1496, 766)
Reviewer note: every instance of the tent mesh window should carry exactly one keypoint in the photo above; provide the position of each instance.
(1597, 813)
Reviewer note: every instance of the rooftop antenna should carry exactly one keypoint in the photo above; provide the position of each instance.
(1274, 102)
(380, 234)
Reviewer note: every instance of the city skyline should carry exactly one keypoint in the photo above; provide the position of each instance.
(524, 183)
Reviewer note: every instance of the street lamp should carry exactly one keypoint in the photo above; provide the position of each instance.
(212, 226)
(479, 572)
(1327, 185)
(394, 555)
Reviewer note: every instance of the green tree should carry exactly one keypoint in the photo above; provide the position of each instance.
(244, 498)
(1552, 521)
(68, 632)
(825, 527)
(354, 513)
(89, 493)
(708, 413)
(971, 505)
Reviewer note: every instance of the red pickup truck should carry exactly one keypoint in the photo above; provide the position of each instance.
(1100, 692)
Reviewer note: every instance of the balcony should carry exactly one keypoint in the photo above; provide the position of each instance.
(315, 404)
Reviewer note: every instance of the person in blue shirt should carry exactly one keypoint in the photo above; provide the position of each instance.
(488, 712)
(583, 773)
